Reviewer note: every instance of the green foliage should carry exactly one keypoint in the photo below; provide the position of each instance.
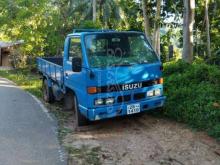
(90, 25)
(131, 16)
(200, 33)
(215, 131)
(44, 24)
(193, 95)
(170, 37)
(32, 21)
(26, 80)
(215, 59)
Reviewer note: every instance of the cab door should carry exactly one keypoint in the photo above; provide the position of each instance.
(75, 80)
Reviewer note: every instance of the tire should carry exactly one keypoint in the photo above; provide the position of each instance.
(68, 102)
(79, 119)
(47, 92)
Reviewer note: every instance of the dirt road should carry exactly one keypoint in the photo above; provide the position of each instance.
(141, 140)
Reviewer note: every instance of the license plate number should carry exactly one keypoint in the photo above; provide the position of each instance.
(133, 108)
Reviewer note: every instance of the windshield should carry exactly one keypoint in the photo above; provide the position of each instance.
(118, 49)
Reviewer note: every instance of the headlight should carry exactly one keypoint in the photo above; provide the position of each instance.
(157, 92)
(99, 102)
(150, 93)
(109, 101)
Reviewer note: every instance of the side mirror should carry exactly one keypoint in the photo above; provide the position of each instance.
(76, 64)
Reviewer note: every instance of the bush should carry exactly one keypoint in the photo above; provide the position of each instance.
(193, 95)
(214, 60)
(90, 25)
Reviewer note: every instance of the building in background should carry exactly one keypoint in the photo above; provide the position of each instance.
(6, 50)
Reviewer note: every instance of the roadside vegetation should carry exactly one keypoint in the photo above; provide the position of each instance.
(184, 30)
(192, 90)
(28, 81)
(193, 95)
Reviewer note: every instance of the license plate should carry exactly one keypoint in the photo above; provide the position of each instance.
(133, 108)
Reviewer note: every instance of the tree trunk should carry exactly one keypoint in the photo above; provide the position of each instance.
(207, 28)
(0, 56)
(189, 19)
(94, 10)
(146, 19)
(156, 39)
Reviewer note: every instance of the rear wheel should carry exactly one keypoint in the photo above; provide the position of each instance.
(47, 92)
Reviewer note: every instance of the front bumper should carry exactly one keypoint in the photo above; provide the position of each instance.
(120, 110)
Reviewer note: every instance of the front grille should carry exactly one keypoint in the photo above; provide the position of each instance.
(115, 88)
(145, 106)
(125, 98)
(139, 96)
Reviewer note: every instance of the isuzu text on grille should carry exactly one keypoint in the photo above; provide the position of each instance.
(131, 86)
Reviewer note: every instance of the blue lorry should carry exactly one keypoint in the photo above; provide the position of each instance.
(104, 74)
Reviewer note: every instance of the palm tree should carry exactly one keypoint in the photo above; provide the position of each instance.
(156, 38)
(102, 9)
(94, 10)
(82, 9)
(109, 9)
(207, 28)
(189, 19)
(146, 19)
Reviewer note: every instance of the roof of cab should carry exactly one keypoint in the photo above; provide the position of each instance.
(79, 32)
(92, 30)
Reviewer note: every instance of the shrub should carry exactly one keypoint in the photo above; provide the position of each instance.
(193, 95)
(214, 60)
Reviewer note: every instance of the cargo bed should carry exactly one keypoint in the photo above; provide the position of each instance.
(51, 67)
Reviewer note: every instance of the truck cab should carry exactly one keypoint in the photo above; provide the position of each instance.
(105, 74)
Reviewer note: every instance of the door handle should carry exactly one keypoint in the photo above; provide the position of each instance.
(66, 74)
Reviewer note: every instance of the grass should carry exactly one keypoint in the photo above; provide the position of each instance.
(22, 77)
(85, 154)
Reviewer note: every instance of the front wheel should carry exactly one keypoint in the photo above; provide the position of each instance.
(79, 119)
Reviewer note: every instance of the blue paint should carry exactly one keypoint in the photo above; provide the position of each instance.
(101, 77)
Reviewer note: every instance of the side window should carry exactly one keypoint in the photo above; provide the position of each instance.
(75, 49)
